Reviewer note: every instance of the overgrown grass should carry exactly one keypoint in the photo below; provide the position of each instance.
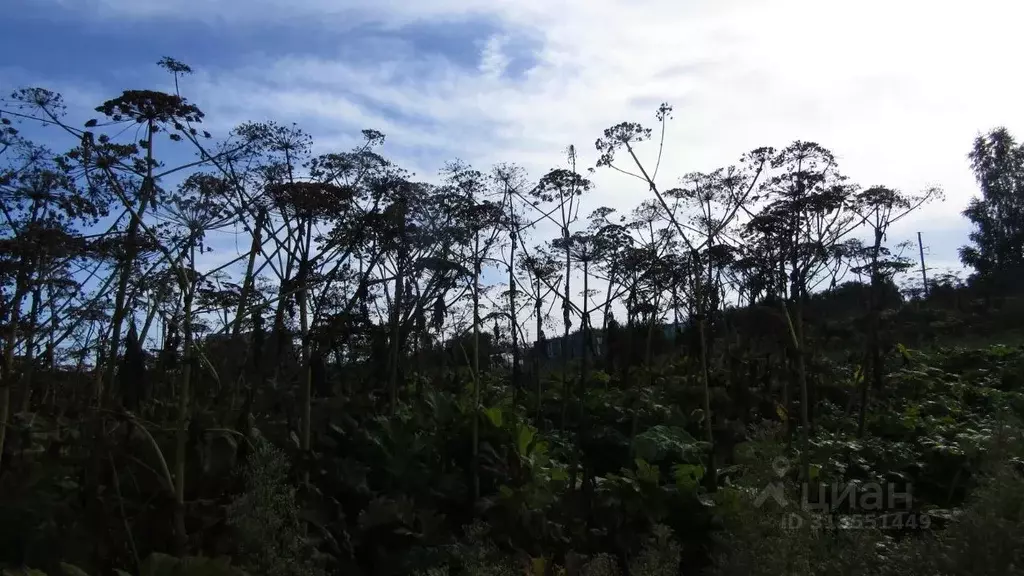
(985, 538)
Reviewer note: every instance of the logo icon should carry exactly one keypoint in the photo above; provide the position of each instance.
(777, 489)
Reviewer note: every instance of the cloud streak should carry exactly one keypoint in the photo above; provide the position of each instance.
(896, 90)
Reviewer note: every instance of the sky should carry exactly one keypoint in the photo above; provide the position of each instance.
(896, 89)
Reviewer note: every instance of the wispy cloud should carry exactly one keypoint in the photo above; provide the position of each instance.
(493, 61)
(896, 90)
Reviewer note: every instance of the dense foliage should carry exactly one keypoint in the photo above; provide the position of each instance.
(372, 384)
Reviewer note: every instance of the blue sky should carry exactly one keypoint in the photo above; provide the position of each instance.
(896, 90)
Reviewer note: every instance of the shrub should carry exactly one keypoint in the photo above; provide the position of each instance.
(266, 518)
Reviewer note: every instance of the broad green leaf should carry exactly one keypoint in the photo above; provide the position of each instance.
(539, 454)
(72, 570)
(494, 415)
(525, 436)
(781, 411)
(661, 442)
(688, 475)
(815, 471)
(646, 472)
(157, 564)
(903, 351)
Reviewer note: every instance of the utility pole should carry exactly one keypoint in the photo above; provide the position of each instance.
(924, 275)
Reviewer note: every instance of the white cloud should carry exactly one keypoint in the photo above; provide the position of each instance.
(896, 89)
(493, 60)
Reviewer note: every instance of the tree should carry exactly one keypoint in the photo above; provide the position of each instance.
(807, 215)
(541, 270)
(879, 207)
(563, 187)
(510, 179)
(42, 212)
(997, 250)
(718, 197)
(483, 220)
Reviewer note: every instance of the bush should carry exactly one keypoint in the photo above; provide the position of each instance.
(266, 518)
(984, 539)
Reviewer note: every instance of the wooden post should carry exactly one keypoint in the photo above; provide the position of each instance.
(924, 274)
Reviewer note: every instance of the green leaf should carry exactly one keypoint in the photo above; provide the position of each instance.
(157, 564)
(524, 438)
(539, 452)
(858, 375)
(781, 411)
(903, 351)
(688, 475)
(23, 572)
(815, 471)
(660, 442)
(646, 472)
(494, 415)
(163, 565)
(71, 570)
